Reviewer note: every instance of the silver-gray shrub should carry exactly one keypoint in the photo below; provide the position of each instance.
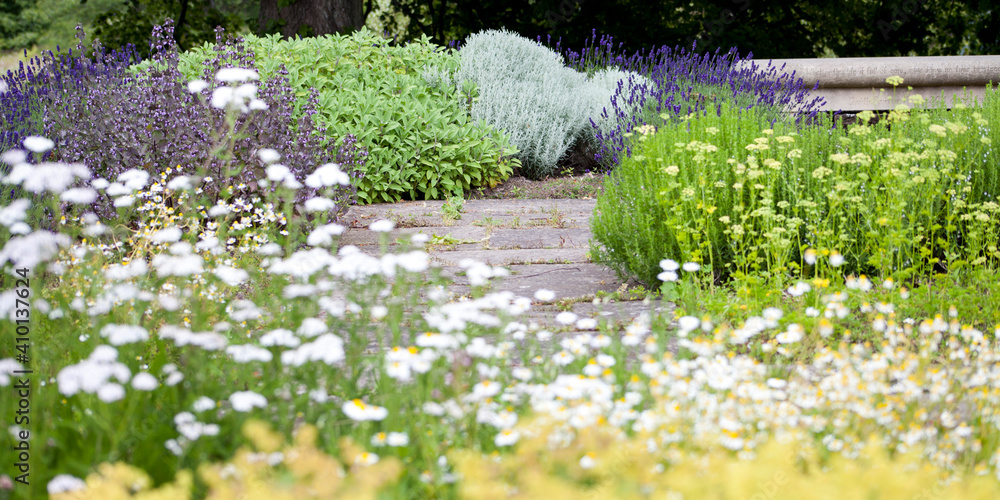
(526, 89)
(616, 85)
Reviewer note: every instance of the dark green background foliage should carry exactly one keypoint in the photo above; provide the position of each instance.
(774, 29)
(20, 24)
(195, 21)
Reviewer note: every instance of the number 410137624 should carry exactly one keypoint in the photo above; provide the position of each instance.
(22, 309)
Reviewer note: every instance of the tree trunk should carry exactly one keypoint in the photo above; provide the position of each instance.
(311, 17)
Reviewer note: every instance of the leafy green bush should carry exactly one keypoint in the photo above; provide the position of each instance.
(420, 141)
(911, 195)
(526, 90)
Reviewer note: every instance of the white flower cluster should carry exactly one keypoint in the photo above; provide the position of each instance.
(242, 97)
(401, 364)
(358, 411)
(327, 348)
(94, 375)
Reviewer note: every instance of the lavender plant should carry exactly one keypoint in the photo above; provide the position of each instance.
(683, 82)
(27, 92)
(149, 120)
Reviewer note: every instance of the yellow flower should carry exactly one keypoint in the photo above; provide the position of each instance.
(894, 80)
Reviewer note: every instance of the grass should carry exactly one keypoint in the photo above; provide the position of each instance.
(11, 59)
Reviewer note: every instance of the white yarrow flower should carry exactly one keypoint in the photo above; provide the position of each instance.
(46, 176)
(232, 276)
(38, 144)
(382, 226)
(80, 196)
(221, 97)
(203, 404)
(278, 172)
(170, 234)
(244, 401)
(323, 235)
(669, 265)
(64, 483)
(320, 204)
(143, 381)
(15, 212)
(134, 179)
(230, 75)
(111, 392)
(566, 318)
(124, 334)
(177, 265)
(667, 276)
(181, 182)
(328, 174)
(268, 155)
(124, 201)
(196, 86)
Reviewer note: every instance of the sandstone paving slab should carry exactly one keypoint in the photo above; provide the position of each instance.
(574, 213)
(543, 243)
(618, 313)
(566, 280)
(359, 237)
(444, 249)
(513, 257)
(540, 238)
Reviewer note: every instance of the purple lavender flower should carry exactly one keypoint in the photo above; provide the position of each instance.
(152, 121)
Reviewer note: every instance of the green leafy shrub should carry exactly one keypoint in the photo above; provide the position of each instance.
(526, 90)
(911, 195)
(420, 141)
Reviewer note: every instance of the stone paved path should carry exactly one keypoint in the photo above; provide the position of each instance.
(544, 244)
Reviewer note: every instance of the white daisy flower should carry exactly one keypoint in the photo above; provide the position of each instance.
(506, 437)
(358, 411)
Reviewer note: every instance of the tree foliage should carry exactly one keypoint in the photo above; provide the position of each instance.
(132, 21)
(773, 29)
(21, 23)
(776, 29)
